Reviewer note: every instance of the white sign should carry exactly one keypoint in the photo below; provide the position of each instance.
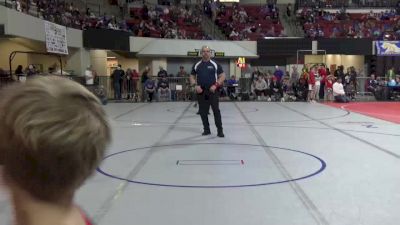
(56, 38)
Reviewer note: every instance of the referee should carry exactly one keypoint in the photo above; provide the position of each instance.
(207, 76)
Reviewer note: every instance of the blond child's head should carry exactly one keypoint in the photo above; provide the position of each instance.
(53, 134)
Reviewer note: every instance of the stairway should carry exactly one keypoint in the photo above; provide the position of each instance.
(212, 30)
(291, 27)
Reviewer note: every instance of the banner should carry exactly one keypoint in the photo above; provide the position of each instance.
(56, 38)
(388, 48)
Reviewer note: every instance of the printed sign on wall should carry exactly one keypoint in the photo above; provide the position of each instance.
(56, 38)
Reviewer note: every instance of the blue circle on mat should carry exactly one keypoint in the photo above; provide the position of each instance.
(321, 161)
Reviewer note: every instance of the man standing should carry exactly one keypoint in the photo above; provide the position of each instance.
(311, 85)
(390, 74)
(89, 76)
(207, 76)
(322, 73)
(278, 73)
(117, 78)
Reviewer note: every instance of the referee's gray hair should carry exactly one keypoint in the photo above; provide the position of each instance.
(205, 46)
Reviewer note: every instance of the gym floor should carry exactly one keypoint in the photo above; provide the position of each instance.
(279, 164)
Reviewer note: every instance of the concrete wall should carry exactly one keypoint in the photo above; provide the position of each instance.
(128, 63)
(6, 47)
(3, 15)
(138, 43)
(98, 59)
(78, 60)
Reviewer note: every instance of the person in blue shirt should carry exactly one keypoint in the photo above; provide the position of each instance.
(150, 87)
(232, 84)
(207, 76)
(278, 73)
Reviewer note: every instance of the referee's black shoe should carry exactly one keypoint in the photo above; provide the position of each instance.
(206, 132)
(220, 134)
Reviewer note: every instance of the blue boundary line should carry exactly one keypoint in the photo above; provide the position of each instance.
(322, 168)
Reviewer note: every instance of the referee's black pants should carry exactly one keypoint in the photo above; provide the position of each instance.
(207, 99)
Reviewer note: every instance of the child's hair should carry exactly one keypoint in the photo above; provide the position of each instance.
(53, 134)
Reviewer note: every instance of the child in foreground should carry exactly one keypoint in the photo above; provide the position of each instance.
(53, 134)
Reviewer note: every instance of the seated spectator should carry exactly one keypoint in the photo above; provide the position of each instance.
(150, 88)
(288, 90)
(61, 150)
(163, 89)
(231, 88)
(301, 89)
(372, 83)
(261, 88)
(338, 92)
(276, 90)
(234, 34)
(31, 70)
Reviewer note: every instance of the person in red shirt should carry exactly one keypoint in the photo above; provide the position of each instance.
(311, 84)
(329, 87)
(323, 74)
(53, 135)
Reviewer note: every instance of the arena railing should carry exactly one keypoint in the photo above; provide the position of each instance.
(348, 4)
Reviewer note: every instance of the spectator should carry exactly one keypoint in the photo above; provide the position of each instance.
(117, 77)
(182, 72)
(164, 91)
(295, 75)
(231, 89)
(390, 74)
(289, 10)
(129, 83)
(162, 72)
(89, 76)
(339, 73)
(3, 73)
(317, 87)
(323, 74)
(301, 89)
(150, 88)
(288, 90)
(145, 77)
(372, 84)
(278, 73)
(31, 70)
(329, 87)
(260, 88)
(19, 71)
(311, 85)
(276, 90)
(135, 81)
(338, 92)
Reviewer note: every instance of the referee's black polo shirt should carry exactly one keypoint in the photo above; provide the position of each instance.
(207, 73)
